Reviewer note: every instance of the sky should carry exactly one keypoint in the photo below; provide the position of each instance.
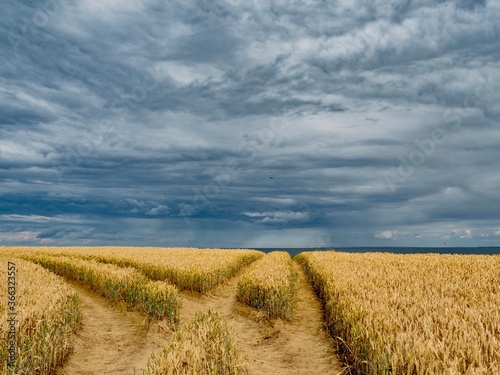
(250, 123)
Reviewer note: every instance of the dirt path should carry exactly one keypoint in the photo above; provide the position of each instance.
(115, 342)
(273, 347)
(111, 341)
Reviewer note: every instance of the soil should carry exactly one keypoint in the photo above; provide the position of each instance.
(113, 341)
(276, 347)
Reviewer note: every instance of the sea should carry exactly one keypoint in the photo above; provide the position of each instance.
(395, 250)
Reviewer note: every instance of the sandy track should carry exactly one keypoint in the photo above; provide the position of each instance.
(113, 341)
(110, 341)
(273, 347)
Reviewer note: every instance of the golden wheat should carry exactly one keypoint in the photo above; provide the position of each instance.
(202, 346)
(47, 315)
(411, 314)
(269, 285)
(198, 270)
(157, 299)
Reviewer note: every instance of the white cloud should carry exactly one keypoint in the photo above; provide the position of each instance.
(185, 74)
(40, 219)
(18, 236)
(277, 217)
(462, 233)
(160, 210)
(280, 201)
(386, 234)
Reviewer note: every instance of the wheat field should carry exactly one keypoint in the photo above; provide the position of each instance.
(47, 317)
(411, 314)
(269, 285)
(387, 313)
(199, 270)
(202, 346)
(156, 299)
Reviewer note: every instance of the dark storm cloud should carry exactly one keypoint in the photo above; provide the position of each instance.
(332, 123)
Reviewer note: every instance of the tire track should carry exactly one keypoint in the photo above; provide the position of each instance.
(273, 346)
(111, 341)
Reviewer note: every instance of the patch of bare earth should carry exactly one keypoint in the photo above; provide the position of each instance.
(111, 341)
(273, 346)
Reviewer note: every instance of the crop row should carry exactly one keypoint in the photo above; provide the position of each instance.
(198, 270)
(39, 314)
(411, 314)
(203, 346)
(269, 285)
(156, 299)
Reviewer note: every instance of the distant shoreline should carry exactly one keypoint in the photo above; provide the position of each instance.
(395, 250)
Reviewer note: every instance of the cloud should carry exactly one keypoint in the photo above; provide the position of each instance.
(18, 237)
(118, 121)
(462, 233)
(386, 234)
(277, 217)
(160, 210)
(30, 218)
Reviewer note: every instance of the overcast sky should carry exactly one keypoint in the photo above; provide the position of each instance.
(250, 123)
